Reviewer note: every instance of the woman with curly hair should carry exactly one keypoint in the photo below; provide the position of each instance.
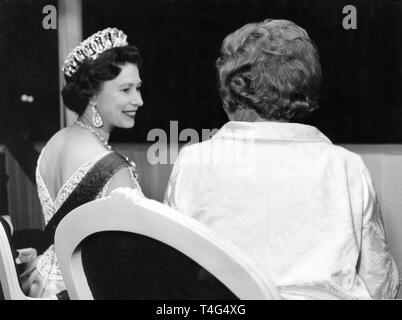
(303, 208)
(78, 165)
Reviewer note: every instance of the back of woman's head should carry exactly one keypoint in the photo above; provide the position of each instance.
(272, 67)
(91, 74)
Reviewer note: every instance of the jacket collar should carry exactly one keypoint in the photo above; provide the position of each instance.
(272, 131)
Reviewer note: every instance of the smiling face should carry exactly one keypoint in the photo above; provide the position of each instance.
(119, 99)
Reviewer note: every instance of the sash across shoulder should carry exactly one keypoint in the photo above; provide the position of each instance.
(87, 190)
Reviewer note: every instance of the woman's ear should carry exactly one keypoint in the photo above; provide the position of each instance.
(92, 101)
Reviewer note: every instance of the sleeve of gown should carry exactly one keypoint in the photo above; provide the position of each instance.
(171, 193)
(133, 177)
(134, 180)
(377, 268)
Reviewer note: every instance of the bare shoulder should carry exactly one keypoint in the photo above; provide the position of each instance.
(52, 148)
(79, 148)
(70, 149)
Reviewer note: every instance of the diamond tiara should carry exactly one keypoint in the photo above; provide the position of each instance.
(92, 47)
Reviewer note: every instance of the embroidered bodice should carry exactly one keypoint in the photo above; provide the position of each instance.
(47, 264)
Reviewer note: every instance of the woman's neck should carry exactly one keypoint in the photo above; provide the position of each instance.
(248, 115)
(103, 133)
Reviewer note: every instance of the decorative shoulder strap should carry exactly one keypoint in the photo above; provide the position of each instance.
(86, 191)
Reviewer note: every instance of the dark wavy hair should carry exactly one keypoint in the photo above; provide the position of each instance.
(272, 67)
(87, 81)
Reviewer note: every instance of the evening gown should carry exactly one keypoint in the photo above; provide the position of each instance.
(43, 278)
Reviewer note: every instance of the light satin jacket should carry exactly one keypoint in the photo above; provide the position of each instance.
(304, 209)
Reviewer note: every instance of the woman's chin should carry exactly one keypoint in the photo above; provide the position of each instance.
(127, 124)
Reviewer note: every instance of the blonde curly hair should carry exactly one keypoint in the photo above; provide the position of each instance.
(272, 67)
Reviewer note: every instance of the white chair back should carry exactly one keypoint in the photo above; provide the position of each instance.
(125, 211)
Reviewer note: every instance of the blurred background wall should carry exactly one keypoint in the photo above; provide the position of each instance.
(180, 42)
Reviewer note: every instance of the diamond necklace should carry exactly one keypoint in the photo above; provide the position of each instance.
(96, 134)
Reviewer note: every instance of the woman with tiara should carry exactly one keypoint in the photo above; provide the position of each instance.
(78, 165)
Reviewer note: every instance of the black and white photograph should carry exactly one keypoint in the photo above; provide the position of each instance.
(200, 150)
